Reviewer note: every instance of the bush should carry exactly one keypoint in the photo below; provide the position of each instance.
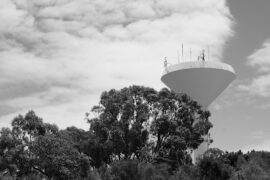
(186, 173)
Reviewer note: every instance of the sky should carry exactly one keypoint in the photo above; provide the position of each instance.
(58, 56)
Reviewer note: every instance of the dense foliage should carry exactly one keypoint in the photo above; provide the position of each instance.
(144, 124)
(136, 133)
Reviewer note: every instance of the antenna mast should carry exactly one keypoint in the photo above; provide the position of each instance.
(203, 55)
(208, 49)
(190, 54)
(178, 56)
(182, 52)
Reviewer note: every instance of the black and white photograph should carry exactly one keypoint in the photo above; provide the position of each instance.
(134, 90)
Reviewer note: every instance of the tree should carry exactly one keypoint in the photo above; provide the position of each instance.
(77, 137)
(135, 170)
(256, 166)
(214, 166)
(179, 124)
(7, 152)
(37, 149)
(235, 159)
(56, 158)
(28, 126)
(24, 131)
(119, 126)
(186, 172)
(126, 118)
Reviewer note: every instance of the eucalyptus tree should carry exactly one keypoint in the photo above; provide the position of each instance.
(135, 120)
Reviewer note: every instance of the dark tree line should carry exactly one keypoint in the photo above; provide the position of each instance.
(136, 133)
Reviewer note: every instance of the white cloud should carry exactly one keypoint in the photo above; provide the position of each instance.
(260, 58)
(260, 84)
(70, 51)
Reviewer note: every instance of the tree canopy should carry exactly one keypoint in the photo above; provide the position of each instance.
(35, 147)
(161, 123)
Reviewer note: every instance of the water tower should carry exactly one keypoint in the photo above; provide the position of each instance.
(202, 80)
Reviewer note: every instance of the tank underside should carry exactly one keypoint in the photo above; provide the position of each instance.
(202, 81)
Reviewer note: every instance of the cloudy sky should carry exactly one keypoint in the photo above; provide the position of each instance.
(57, 56)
